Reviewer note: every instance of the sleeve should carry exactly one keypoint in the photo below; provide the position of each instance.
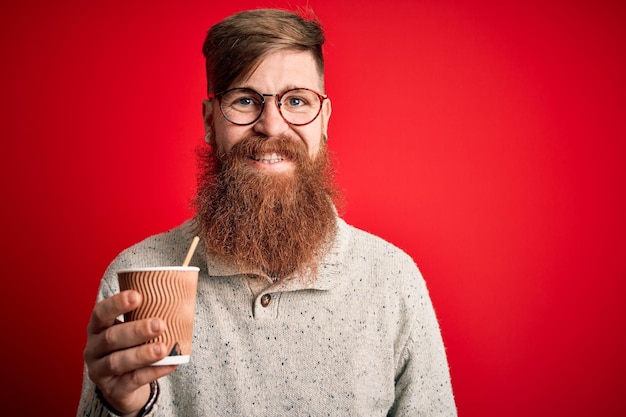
(90, 405)
(422, 383)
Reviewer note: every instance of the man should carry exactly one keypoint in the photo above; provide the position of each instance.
(297, 312)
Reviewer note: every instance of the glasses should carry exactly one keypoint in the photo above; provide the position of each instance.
(244, 106)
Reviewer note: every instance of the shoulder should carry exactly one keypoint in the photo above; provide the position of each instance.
(379, 267)
(389, 279)
(364, 246)
(167, 248)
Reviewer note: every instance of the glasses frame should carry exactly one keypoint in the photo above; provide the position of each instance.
(278, 96)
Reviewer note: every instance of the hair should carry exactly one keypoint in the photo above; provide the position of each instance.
(234, 47)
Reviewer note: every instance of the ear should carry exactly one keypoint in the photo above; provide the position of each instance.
(327, 109)
(207, 116)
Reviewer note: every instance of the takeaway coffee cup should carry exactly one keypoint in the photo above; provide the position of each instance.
(169, 292)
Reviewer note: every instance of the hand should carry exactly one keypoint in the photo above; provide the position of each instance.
(117, 359)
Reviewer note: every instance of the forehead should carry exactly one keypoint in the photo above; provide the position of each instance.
(280, 70)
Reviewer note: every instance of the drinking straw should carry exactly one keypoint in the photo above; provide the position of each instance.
(191, 250)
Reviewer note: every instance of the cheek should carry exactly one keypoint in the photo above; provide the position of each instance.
(228, 136)
(313, 139)
(313, 142)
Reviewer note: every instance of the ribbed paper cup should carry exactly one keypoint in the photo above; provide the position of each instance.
(168, 292)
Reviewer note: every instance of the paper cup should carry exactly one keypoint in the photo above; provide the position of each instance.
(169, 292)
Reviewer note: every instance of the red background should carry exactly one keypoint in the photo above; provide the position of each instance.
(484, 138)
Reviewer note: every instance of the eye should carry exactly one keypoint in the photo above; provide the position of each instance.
(295, 101)
(245, 101)
(241, 100)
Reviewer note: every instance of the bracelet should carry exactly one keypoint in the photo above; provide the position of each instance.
(154, 395)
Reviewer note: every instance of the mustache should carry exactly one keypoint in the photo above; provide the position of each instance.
(257, 145)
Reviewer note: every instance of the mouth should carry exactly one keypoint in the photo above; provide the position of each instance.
(271, 162)
(272, 158)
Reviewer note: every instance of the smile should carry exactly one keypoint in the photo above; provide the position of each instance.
(268, 159)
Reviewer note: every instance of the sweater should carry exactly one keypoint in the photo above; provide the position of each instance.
(360, 338)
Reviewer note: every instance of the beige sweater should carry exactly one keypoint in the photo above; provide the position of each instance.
(361, 339)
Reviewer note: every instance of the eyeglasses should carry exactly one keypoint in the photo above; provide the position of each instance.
(244, 106)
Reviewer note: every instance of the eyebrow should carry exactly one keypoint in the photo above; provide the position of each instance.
(288, 87)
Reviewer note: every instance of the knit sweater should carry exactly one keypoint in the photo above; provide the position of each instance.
(358, 339)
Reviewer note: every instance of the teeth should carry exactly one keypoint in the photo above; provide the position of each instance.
(269, 159)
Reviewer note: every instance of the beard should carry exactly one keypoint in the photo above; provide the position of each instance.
(277, 222)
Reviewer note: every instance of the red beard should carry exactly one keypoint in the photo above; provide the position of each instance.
(279, 223)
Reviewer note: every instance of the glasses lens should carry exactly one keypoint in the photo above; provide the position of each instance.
(241, 105)
(300, 106)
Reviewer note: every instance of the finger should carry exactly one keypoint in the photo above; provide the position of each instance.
(106, 311)
(126, 364)
(141, 370)
(123, 336)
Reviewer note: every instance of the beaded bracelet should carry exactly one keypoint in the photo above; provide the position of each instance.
(154, 394)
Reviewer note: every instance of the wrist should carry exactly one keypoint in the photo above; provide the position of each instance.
(154, 394)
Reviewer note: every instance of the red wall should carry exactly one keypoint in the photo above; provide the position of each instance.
(485, 139)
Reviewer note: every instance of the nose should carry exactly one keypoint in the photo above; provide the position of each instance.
(271, 122)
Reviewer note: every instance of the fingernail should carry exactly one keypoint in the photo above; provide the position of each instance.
(132, 297)
(155, 325)
(156, 349)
